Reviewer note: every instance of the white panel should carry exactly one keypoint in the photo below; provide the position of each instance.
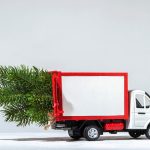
(93, 95)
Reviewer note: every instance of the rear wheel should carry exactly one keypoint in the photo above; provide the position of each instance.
(147, 133)
(134, 134)
(73, 135)
(91, 133)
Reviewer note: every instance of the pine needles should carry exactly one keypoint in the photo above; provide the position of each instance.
(25, 95)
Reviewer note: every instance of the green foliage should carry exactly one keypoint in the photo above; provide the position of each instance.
(25, 95)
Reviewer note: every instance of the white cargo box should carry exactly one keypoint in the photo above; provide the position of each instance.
(90, 95)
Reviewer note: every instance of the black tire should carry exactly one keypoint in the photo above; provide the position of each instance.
(147, 132)
(73, 136)
(91, 133)
(134, 134)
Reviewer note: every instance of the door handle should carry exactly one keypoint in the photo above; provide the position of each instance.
(142, 113)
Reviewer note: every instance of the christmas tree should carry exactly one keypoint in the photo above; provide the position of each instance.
(25, 95)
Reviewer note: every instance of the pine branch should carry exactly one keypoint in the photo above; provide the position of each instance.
(25, 94)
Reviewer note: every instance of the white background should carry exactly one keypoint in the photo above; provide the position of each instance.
(77, 35)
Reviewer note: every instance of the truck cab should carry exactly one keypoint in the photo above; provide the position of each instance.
(139, 117)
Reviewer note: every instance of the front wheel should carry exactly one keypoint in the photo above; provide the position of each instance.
(91, 133)
(147, 132)
(134, 134)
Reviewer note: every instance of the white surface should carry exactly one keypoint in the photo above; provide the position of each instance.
(93, 95)
(59, 140)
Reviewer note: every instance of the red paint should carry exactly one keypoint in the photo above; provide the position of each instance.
(126, 102)
(93, 74)
(77, 118)
(57, 95)
(114, 126)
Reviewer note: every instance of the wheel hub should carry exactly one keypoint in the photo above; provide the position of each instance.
(93, 133)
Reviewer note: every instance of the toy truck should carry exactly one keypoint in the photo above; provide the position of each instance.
(89, 104)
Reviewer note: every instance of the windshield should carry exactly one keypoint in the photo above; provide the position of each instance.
(147, 100)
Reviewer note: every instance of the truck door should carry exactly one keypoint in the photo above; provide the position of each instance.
(142, 110)
(147, 107)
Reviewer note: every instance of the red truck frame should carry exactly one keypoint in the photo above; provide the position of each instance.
(57, 96)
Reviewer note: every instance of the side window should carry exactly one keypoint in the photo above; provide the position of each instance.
(139, 101)
(147, 102)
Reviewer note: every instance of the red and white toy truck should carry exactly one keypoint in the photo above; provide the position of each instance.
(88, 104)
